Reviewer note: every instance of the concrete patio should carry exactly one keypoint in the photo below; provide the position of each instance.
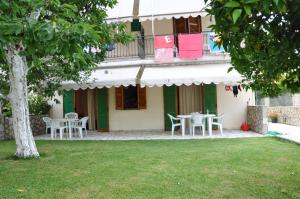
(155, 135)
(289, 132)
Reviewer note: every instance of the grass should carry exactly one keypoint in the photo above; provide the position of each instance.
(220, 168)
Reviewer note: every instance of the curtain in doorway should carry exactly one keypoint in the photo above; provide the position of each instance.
(190, 99)
(91, 105)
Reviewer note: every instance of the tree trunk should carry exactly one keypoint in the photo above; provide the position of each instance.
(19, 101)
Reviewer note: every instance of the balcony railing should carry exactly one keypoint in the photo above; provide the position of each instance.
(142, 47)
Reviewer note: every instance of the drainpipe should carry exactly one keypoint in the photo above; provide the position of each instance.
(140, 74)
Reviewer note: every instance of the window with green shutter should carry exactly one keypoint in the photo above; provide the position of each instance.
(135, 25)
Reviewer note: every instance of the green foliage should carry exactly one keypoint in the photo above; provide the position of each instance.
(53, 44)
(38, 105)
(263, 39)
(6, 111)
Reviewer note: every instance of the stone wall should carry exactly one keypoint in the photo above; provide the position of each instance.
(1, 127)
(286, 114)
(6, 126)
(257, 118)
(37, 124)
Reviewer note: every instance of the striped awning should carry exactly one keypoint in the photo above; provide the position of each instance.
(111, 77)
(167, 9)
(122, 11)
(188, 75)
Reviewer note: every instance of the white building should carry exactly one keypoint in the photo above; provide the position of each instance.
(133, 91)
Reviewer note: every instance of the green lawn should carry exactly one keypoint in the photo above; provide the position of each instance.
(219, 168)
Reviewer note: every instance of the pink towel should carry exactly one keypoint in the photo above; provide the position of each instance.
(190, 46)
(164, 41)
(164, 55)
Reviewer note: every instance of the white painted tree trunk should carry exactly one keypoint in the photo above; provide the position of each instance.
(19, 101)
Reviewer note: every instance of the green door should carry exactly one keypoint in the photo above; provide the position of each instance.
(102, 96)
(68, 101)
(170, 94)
(210, 99)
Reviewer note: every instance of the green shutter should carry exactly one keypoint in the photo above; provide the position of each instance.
(169, 104)
(135, 25)
(68, 101)
(210, 99)
(102, 96)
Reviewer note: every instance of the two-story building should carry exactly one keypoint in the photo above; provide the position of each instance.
(139, 83)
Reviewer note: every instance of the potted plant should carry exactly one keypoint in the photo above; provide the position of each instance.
(274, 117)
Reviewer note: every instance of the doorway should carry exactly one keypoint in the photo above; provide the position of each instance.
(190, 99)
(86, 106)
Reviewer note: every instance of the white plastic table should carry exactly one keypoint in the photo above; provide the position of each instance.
(189, 117)
(68, 121)
(182, 121)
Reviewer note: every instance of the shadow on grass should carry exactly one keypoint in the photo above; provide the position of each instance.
(16, 158)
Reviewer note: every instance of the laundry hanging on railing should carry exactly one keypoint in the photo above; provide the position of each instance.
(236, 89)
(164, 48)
(190, 46)
(213, 41)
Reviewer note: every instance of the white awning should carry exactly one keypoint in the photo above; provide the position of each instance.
(187, 75)
(122, 11)
(106, 78)
(166, 9)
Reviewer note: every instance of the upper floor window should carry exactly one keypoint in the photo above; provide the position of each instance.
(187, 25)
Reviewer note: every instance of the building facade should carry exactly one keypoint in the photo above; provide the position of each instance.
(136, 87)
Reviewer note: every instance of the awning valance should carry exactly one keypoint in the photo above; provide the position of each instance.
(106, 78)
(122, 11)
(187, 75)
(166, 9)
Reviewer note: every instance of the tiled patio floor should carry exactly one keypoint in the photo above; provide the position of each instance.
(154, 135)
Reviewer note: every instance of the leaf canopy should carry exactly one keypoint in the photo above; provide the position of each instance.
(270, 33)
(56, 38)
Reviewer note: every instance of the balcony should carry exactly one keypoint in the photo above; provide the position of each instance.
(143, 47)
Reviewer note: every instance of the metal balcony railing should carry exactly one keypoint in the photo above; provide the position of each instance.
(142, 47)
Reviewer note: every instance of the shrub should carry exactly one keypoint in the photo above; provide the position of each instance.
(274, 117)
(6, 109)
(38, 105)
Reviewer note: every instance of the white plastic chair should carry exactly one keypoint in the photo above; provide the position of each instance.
(197, 120)
(218, 121)
(71, 115)
(81, 125)
(174, 122)
(58, 125)
(47, 121)
(72, 121)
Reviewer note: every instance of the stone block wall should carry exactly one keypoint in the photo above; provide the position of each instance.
(286, 114)
(6, 126)
(1, 127)
(257, 118)
(37, 124)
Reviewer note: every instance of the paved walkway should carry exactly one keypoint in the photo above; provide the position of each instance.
(289, 132)
(154, 136)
